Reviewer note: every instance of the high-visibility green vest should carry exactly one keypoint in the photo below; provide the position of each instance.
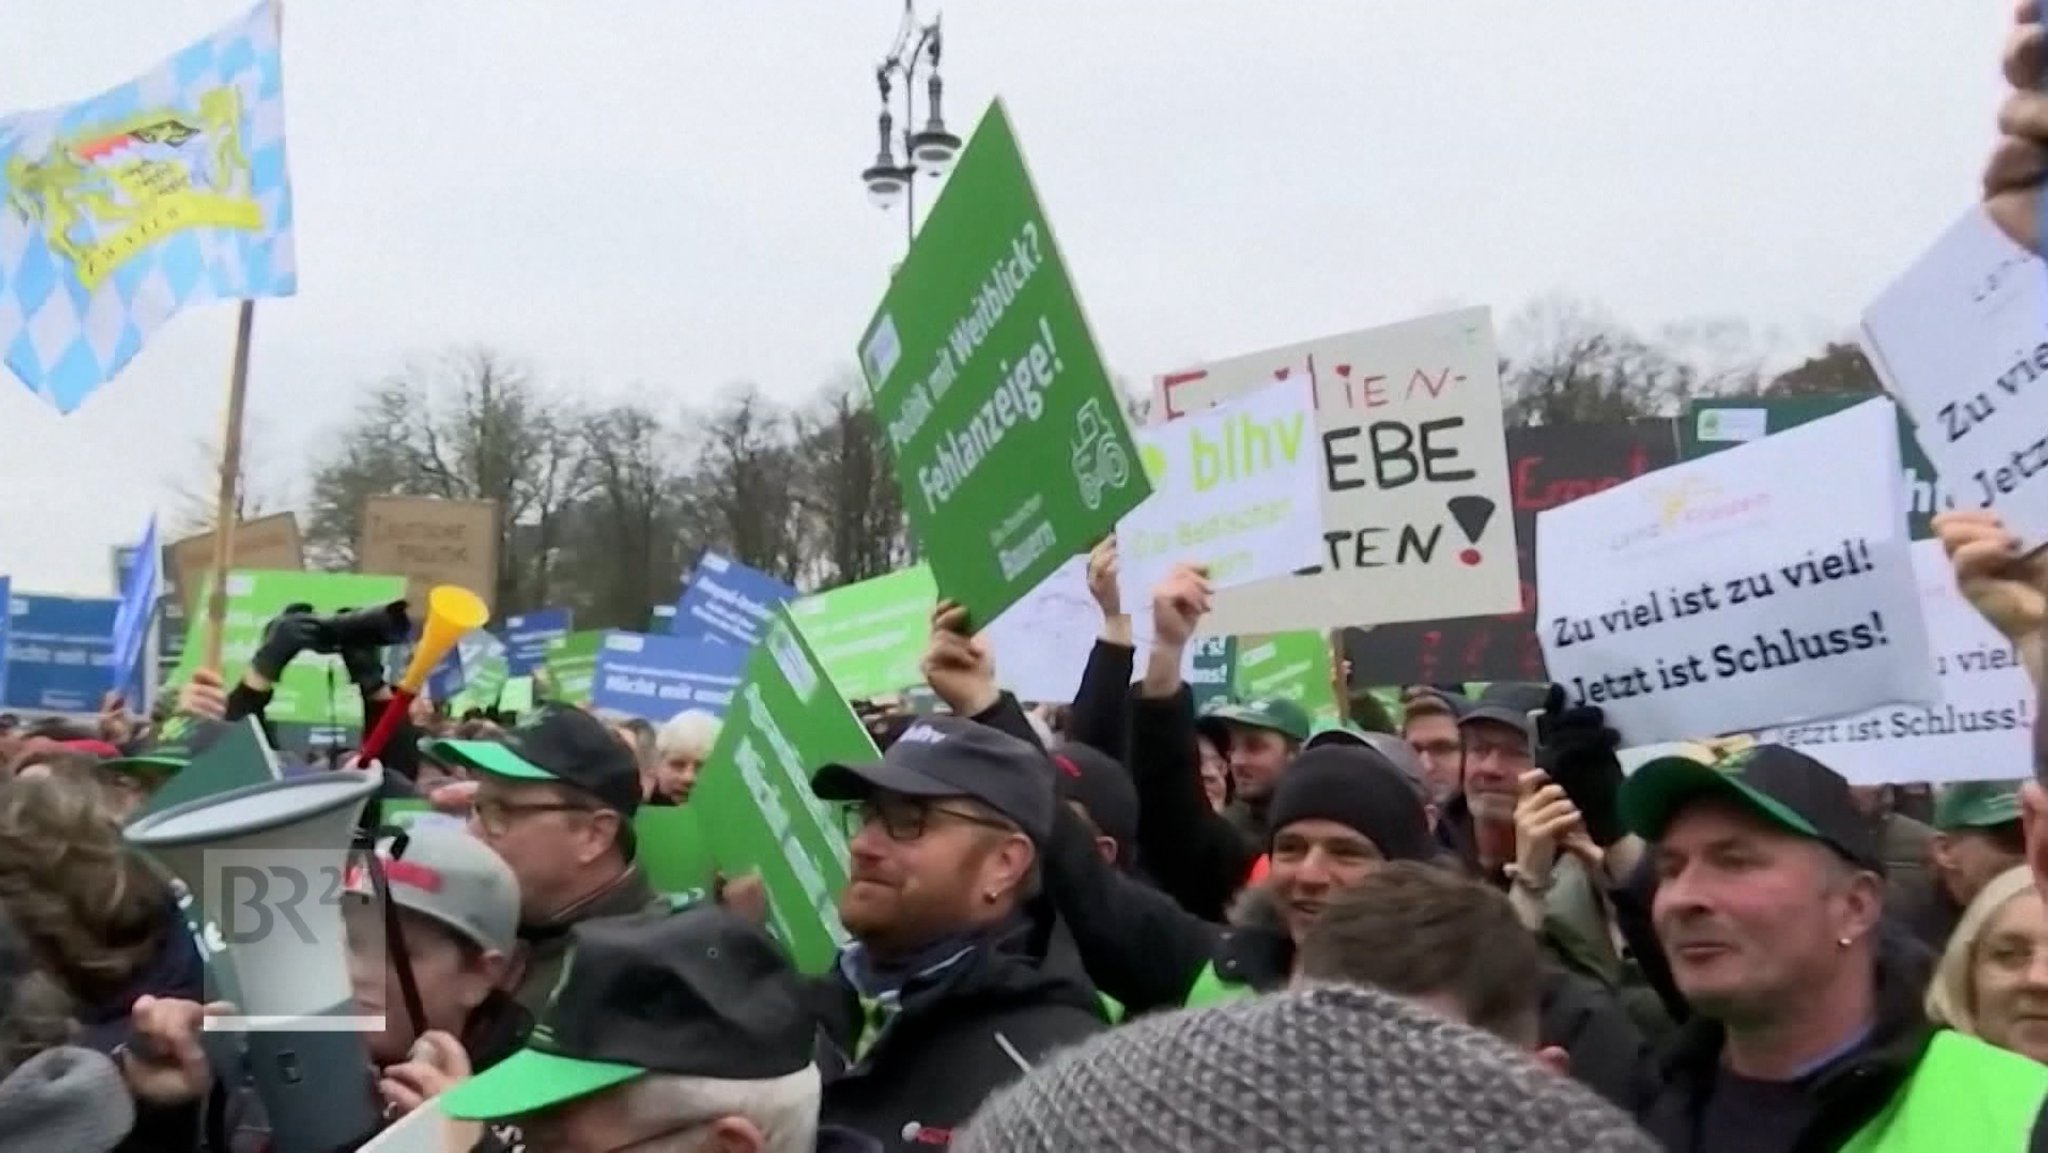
(1964, 1095)
(1210, 988)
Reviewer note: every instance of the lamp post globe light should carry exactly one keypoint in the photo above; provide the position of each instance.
(928, 151)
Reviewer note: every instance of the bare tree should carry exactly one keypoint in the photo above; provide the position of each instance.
(1572, 363)
(849, 494)
(1839, 370)
(196, 491)
(625, 541)
(743, 492)
(468, 425)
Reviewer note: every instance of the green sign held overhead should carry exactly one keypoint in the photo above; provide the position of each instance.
(870, 636)
(1011, 448)
(571, 663)
(754, 800)
(1292, 666)
(302, 696)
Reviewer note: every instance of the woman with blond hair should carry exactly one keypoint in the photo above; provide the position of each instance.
(1992, 983)
(103, 925)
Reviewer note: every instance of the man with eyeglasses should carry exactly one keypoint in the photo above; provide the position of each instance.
(945, 993)
(555, 798)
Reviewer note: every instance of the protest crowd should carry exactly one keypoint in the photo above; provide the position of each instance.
(1091, 832)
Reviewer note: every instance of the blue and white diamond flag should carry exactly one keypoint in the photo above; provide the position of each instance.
(119, 211)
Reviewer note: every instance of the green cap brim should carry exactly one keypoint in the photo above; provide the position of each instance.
(154, 768)
(1249, 719)
(488, 757)
(529, 1081)
(1654, 794)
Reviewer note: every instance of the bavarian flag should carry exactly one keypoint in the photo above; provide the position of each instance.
(120, 210)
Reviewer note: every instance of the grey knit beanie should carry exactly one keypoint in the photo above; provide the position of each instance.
(1322, 1070)
(65, 1098)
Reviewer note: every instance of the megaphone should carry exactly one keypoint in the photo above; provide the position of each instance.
(452, 612)
(268, 862)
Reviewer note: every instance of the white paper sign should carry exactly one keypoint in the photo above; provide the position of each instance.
(1765, 585)
(1983, 727)
(1962, 340)
(1414, 470)
(1042, 643)
(1237, 488)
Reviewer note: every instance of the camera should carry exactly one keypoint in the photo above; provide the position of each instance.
(373, 628)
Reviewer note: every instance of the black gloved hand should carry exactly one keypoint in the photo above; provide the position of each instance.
(1576, 749)
(290, 633)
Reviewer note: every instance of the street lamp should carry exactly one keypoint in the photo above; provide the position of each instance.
(928, 151)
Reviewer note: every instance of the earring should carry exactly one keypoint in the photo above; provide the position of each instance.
(990, 896)
(1844, 942)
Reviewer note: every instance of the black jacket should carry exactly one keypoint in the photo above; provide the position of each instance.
(1199, 857)
(956, 1037)
(1850, 1093)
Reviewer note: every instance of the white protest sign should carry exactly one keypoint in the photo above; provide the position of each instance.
(1765, 585)
(1962, 340)
(1042, 643)
(1414, 470)
(1237, 488)
(1981, 729)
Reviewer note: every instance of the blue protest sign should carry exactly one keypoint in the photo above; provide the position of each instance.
(727, 601)
(59, 651)
(527, 637)
(656, 677)
(137, 603)
(445, 679)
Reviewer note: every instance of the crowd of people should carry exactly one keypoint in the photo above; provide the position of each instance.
(1112, 923)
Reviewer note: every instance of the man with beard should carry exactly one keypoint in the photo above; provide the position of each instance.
(945, 994)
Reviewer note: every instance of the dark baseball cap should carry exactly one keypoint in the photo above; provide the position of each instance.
(1100, 785)
(696, 993)
(558, 744)
(1977, 805)
(181, 739)
(1508, 703)
(1780, 786)
(1274, 714)
(944, 756)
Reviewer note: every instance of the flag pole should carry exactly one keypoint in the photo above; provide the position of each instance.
(226, 505)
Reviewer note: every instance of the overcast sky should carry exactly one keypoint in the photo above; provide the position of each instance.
(661, 197)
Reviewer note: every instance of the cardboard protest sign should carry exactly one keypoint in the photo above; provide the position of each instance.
(528, 635)
(1414, 474)
(1547, 466)
(754, 799)
(431, 542)
(269, 543)
(871, 635)
(1770, 584)
(571, 665)
(302, 695)
(1237, 488)
(1292, 666)
(1009, 441)
(656, 677)
(1716, 423)
(727, 601)
(1962, 340)
(1980, 729)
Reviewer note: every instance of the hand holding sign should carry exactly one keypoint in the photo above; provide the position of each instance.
(958, 666)
(2019, 165)
(1179, 604)
(2003, 585)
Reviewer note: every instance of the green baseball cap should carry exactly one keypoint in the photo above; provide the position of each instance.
(176, 743)
(1778, 785)
(557, 744)
(1977, 805)
(1273, 714)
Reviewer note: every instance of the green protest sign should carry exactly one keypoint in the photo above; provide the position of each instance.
(1291, 665)
(1709, 426)
(754, 802)
(301, 696)
(515, 696)
(571, 663)
(870, 636)
(1010, 445)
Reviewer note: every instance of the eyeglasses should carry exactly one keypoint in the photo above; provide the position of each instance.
(497, 816)
(1508, 750)
(906, 820)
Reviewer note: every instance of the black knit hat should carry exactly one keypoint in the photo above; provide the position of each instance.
(1358, 788)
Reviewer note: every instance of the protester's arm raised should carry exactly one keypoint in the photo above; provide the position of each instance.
(2003, 584)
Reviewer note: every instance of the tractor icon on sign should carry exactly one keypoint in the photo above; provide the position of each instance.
(1100, 463)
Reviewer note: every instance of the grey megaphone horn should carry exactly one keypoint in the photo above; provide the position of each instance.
(267, 863)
